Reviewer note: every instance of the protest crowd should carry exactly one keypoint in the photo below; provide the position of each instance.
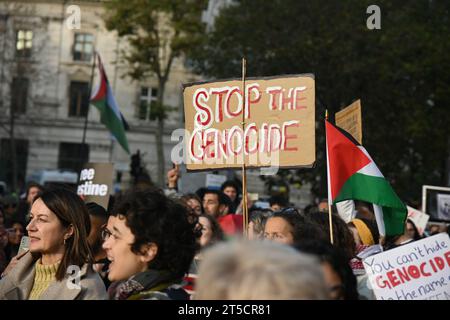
(155, 244)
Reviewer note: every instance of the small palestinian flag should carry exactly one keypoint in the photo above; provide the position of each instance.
(110, 115)
(353, 175)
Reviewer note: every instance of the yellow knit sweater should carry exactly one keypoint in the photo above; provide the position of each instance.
(42, 279)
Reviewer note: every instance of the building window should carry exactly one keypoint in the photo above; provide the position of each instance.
(6, 172)
(79, 99)
(83, 47)
(24, 43)
(148, 97)
(72, 156)
(19, 94)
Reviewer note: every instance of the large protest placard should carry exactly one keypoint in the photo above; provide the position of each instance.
(96, 183)
(279, 116)
(350, 119)
(416, 271)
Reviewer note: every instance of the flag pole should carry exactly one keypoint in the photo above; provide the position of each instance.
(90, 93)
(244, 175)
(329, 186)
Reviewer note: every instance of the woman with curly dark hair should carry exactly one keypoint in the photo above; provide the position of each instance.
(150, 243)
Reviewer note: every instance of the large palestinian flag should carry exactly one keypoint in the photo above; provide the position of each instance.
(353, 175)
(110, 115)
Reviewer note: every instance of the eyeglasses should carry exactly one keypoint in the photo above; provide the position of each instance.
(106, 234)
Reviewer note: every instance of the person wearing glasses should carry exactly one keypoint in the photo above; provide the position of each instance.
(57, 265)
(289, 226)
(150, 242)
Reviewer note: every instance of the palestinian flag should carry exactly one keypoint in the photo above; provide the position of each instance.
(353, 175)
(110, 115)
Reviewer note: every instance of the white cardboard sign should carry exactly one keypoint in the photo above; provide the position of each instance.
(419, 270)
(419, 218)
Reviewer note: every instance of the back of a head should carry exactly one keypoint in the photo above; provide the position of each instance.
(337, 259)
(254, 270)
(342, 236)
(279, 200)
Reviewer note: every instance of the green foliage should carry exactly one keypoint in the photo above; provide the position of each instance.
(158, 31)
(401, 73)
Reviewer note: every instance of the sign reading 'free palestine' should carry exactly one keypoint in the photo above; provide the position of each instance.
(279, 117)
(96, 182)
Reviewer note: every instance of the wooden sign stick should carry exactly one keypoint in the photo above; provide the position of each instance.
(244, 175)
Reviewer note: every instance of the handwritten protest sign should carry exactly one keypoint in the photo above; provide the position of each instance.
(350, 120)
(96, 182)
(419, 219)
(416, 271)
(279, 115)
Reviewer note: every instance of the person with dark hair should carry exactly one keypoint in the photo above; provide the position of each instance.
(322, 206)
(339, 278)
(288, 226)
(98, 218)
(410, 234)
(58, 247)
(150, 242)
(211, 231)
(216, 203)
(278, 203)
(15, 234)
(23, 209)
(257, 221)
(10, 204)
(232, 190)
(193, 202)
(342, 236)
(412, 231)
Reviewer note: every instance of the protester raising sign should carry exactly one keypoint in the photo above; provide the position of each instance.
(279, 123)
(95, 184)
(416, 271)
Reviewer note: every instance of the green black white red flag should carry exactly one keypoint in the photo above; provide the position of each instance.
(110, 116)
(353, 175)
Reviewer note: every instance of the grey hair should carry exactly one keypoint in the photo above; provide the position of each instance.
(258, 270)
